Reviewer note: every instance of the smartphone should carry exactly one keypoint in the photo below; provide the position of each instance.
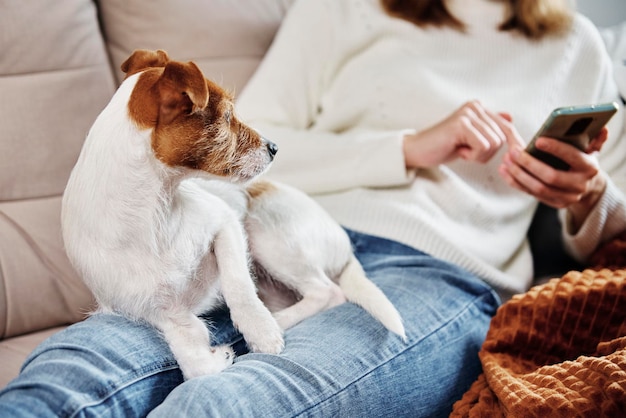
(576, 125)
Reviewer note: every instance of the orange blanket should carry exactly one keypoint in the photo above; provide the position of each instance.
(558, 350)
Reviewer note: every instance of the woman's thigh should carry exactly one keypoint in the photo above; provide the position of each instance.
(338, 363)
(343, 363)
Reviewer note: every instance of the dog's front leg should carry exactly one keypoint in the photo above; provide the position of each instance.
(189, 341)
(248, 313)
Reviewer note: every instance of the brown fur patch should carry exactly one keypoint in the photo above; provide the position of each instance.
(259, 187)
(193, 121)
(142, 59)
(143, 106)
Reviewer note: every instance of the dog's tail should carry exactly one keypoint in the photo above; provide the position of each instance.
(362, 291)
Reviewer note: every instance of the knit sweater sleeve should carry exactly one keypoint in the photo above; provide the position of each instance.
(608, 216)
(286, 93)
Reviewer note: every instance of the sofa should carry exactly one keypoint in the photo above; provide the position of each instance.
(59, 66)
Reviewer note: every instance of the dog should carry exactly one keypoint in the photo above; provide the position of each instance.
(294, 242)
(163, 208)
(148, 239)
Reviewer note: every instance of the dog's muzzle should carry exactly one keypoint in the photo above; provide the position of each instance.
(272, 148)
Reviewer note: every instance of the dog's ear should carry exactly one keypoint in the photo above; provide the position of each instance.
(141, 59)
(182, 89)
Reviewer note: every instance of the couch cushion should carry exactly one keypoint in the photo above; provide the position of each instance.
(55, 78)
(14, 351)
(39, 288)
(227, 39)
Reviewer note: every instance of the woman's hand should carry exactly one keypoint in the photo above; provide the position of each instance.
(472, 133)
(577, 189)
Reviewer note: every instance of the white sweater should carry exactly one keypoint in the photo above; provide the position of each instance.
(343, 81)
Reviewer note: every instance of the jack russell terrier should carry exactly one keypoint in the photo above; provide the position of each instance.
(154, 241)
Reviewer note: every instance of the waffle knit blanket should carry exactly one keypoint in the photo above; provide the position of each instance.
(558, 350)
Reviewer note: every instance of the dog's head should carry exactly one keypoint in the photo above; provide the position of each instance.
(193, 119)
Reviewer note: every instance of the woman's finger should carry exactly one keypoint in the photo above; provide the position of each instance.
(595, 145)
(579, 162)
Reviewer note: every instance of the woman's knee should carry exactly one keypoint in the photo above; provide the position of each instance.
(102, 364)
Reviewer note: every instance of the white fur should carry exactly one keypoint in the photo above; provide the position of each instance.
(299, 245)
(154, 245)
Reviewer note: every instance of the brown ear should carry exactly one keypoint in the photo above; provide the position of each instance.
(182, 89)
(141, 59)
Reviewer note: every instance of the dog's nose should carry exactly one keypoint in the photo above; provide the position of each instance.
(272, 148)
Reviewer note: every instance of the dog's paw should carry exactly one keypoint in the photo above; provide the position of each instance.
(212, 361)
(268, 339)
(268, 346)
(284, 320)
(224, 355)
(261, 331)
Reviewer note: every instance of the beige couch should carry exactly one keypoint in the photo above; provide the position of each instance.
(59, 65)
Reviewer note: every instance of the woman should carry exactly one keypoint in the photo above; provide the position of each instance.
(377, 86)
(407, 121)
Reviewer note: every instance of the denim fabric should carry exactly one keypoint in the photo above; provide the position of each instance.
(340, 363)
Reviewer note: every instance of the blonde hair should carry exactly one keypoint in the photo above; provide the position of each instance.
(532, 18)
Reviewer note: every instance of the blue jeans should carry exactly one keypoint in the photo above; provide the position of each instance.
(340, 363)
